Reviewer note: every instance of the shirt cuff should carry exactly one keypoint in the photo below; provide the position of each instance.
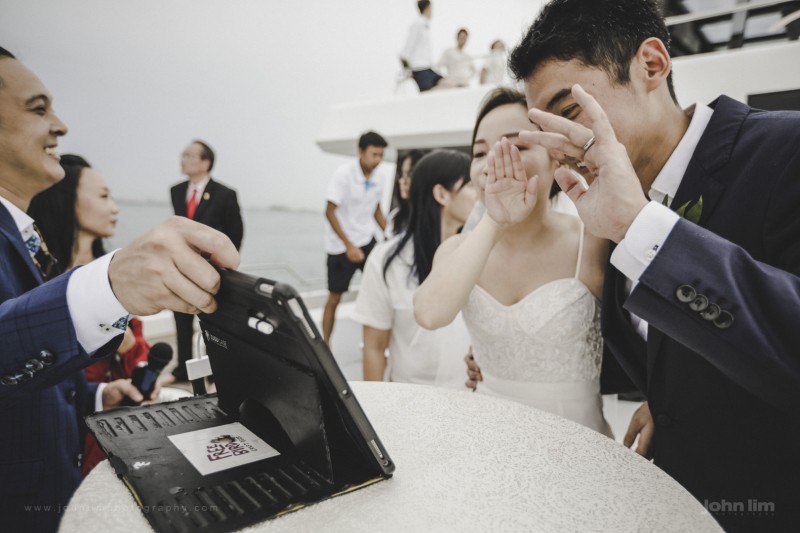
(96, 313)
(98, 397)
(644, 239)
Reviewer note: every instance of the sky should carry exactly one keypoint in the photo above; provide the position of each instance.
(136, 81)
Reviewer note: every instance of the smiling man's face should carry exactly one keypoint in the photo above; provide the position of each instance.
(29, 132)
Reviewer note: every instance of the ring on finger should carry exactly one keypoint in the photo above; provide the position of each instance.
(588, 144)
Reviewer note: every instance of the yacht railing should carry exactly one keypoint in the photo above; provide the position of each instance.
(313, 289)
(278, 271)
(714, 14)
(686, 31)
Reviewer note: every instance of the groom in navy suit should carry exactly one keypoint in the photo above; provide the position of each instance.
(51, 330)
(702, 291)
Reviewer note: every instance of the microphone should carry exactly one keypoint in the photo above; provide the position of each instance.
(146, 373)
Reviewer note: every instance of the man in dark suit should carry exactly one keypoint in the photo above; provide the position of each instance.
(700, 305)
(49, 331)
(209, 202)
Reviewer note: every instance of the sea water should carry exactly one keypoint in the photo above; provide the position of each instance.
(279, 244)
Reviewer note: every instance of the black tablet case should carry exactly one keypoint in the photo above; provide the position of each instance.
(276, 377)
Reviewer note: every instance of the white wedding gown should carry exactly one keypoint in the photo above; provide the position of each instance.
(545, 350)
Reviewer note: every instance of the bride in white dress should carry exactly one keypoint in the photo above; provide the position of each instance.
(527, 278)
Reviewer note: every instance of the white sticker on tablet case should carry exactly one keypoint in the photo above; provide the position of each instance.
(220, 448)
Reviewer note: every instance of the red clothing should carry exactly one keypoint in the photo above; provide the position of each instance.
(118, 366)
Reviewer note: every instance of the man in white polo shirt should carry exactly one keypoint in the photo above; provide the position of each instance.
(354, 195)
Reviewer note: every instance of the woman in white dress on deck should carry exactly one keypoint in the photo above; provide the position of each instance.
(527, 278)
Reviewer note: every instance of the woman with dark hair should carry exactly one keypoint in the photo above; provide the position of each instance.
(398, 216)
(527, 282)
(441, 198)
(74, 216)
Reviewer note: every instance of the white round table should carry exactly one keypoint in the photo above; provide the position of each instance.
(465, 462)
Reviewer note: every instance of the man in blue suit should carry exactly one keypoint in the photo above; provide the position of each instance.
(702, 290)
(50, 330)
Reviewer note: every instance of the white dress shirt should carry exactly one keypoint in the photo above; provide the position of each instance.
(200, 187)
(457, 65)
(418, 51)
(653, 224)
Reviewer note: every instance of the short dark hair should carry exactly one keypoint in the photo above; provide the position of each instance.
(206, 153)
(371, 138)
(53, 210)
(5, 53)
(423, 5)
(499, 97)
(461, 30)
(599, 33)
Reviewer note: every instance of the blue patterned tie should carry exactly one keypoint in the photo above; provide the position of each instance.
(40, 255)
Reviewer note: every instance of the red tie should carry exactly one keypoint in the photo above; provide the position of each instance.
(191, 205)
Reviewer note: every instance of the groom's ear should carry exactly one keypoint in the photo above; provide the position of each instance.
(651, 64)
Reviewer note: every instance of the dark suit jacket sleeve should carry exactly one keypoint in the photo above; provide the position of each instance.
(761, 349)
(91, 397)
(178, 197)
(232, 220)
(33, 323)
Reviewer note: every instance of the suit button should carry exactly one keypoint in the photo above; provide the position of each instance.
(686, 293)
(71, 396)
(47, 357)
(724, 320)
(700, 303)
(8, 380)
(663, 420)
(711, 312)
(34, 365)
(25, 375)
(79, 460)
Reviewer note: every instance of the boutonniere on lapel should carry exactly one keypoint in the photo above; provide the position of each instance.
(206, 196)
(691, 211)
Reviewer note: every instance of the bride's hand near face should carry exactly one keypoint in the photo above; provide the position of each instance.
(510, 195)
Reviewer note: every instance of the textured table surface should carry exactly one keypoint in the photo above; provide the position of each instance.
(465, 462)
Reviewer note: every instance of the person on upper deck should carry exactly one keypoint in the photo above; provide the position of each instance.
(494, 67)
(417, 54)
(456, 64)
